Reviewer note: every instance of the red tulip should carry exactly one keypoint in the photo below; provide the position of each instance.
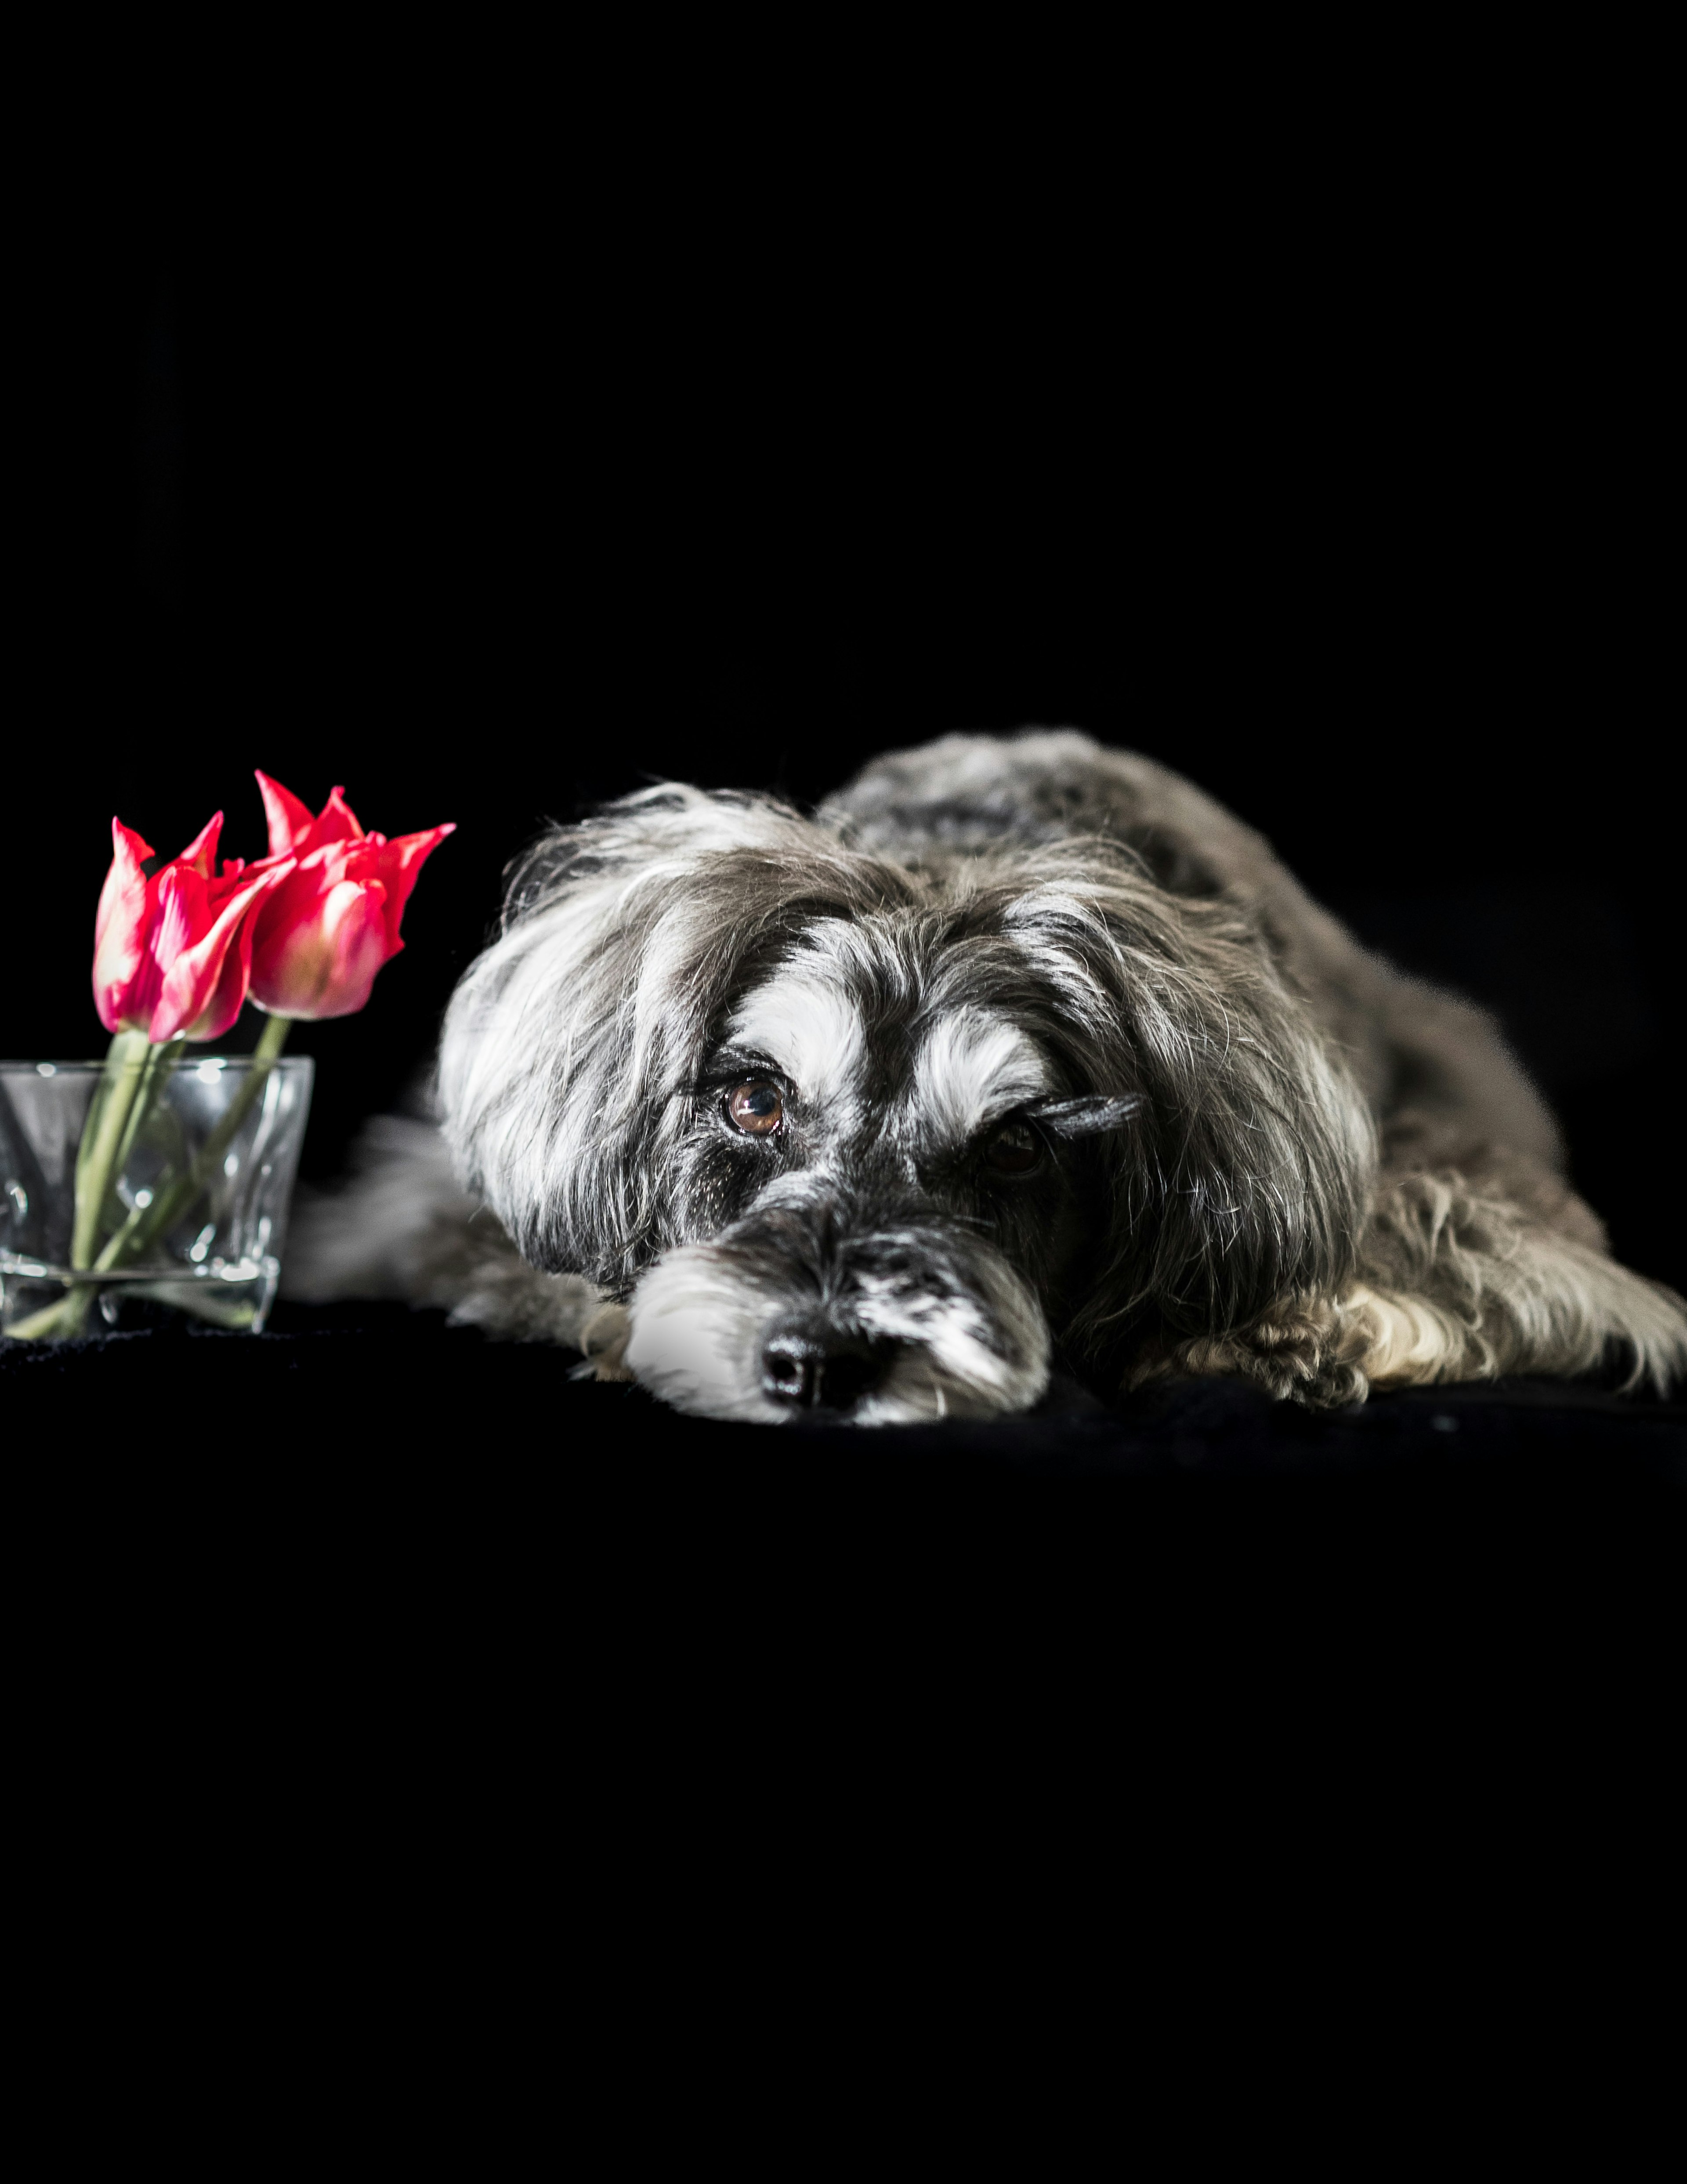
(173, 954)
(331, 924)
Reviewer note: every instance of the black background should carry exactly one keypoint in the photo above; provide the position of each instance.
(487, 494)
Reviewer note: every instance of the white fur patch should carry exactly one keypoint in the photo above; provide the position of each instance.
(697, 1336)
(951, 1368)
(1407, 1340)
(974, 1067)
(806, 1024)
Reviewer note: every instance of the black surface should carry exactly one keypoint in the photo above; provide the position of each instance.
(364, 1617)
(334, 1385)
(364, 1526)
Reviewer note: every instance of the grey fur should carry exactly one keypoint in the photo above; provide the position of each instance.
(1264, 1151)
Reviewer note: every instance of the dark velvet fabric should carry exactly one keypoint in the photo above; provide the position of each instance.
(340, 1382)
(364, 1533)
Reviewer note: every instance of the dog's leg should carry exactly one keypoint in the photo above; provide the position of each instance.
(1455, 1283)
(402, 1227)
(1461, 1283)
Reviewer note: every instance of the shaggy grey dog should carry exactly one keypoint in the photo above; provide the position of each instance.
(1020, 1051)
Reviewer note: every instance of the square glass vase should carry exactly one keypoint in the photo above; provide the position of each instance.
(193, 1219)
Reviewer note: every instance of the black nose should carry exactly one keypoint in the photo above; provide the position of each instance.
(831, 1372)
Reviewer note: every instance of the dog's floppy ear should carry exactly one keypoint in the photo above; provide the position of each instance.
(571, 1046)
(1241, 1174)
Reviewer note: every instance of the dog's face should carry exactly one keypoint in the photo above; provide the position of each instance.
(888, 1168)
(851, 1138)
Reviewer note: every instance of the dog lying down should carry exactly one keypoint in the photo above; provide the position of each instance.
(1021, 1054)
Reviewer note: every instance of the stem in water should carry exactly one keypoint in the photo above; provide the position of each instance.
(136, 1073)
(146, 1222)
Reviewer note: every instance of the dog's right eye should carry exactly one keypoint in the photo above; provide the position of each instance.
(757, 1107)
(1016, 1149)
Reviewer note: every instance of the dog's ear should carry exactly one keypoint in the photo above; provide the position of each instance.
(571, 1047)
(1242, 1174)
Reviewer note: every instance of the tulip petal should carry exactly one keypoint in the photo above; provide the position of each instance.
(120, 927)
(336, 822)
(290, 909)
(228, 995)
(201, 852)
(124, 840)
(323, 964)
(182, 912)
(397, 865)
(290, 819)
(194, 999)
(176, 915)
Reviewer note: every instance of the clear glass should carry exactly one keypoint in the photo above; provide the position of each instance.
(219, 1256)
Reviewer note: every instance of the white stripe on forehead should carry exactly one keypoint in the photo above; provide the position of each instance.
(804, 1021)
(973, 1067)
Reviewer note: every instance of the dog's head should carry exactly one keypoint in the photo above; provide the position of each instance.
(848, 1135)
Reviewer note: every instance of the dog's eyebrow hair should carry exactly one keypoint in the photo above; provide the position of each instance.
(806, 1018)
(726, 1059)
(1084, 1117)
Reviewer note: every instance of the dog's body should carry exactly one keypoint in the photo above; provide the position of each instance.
(1021, 1049)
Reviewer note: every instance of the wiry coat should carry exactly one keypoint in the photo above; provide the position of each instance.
(1255, 1148)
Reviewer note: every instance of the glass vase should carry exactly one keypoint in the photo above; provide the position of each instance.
(191, 1218)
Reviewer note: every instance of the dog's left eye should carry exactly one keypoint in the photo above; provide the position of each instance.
(757, 1108)
(1015, 1149)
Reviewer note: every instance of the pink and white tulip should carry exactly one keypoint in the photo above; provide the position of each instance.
(319, 938)
(173, 952)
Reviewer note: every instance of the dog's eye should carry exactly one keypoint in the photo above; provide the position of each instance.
(1015, 1149)
(757, 1108)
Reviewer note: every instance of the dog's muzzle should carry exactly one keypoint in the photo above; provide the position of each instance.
(817, 1303)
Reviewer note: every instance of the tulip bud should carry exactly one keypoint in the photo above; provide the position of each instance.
(172, 953)
(321, 938)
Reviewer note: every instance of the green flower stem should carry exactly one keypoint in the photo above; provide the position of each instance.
(135, 1072)
(53, 1322)
(127, 1067)
(160, 1061)
(146, 1222)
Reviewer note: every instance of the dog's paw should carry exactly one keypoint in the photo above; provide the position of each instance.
(604, 1340)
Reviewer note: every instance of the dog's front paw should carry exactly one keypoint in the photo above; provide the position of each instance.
(604, 1339)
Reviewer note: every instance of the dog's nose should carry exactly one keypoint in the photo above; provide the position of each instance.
(831, 1372)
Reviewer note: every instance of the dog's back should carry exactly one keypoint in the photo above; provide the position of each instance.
(1435, 1069)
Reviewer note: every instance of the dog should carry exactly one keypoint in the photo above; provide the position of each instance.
(1021, 1057)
